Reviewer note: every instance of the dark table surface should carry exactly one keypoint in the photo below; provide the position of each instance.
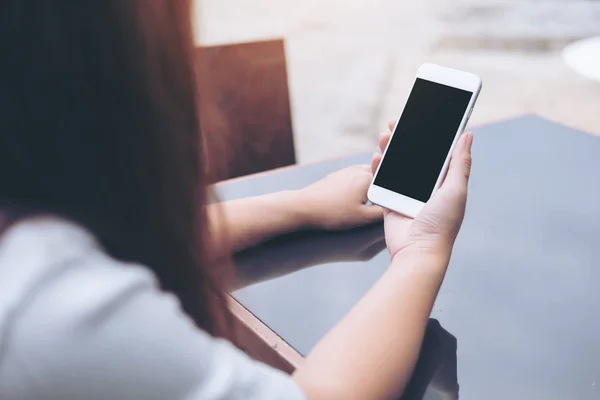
(520, 306)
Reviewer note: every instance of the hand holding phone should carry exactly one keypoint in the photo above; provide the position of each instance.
(416, 158)
(437, 223)
(435, 228)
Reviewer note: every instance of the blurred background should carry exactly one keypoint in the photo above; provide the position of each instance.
(351, 63)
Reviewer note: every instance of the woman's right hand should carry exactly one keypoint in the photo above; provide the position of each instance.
(398, 306)
(435, 229)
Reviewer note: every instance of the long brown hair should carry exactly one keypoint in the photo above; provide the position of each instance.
(99, 124)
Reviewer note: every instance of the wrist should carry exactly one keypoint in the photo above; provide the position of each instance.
(429, 257)
(305, 206)
(298, 207)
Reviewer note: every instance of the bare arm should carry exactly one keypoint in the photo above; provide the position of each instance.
(371, 353)
(242, 223)
(334, 203)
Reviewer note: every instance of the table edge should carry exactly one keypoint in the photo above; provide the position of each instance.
(261, 342)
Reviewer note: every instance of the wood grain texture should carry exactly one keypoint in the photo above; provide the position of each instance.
(245, 108)
(260, 342)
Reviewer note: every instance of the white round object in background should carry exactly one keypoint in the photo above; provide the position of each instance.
(584, 57)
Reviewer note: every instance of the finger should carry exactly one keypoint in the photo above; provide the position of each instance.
(363, 167)
(384, 138)
(392, 124)
(460, 164)
(371, 213)
(375, 162)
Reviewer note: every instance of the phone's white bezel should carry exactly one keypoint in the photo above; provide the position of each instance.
(446, 76)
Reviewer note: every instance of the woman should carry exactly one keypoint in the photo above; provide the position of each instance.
(106, 290)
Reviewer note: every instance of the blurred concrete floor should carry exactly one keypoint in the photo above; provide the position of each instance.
(351, 63)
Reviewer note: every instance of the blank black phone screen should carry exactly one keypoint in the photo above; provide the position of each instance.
(422, 139)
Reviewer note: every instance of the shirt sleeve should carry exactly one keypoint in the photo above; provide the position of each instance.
(98, 329)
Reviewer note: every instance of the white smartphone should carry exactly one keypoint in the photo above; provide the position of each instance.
(417, 156)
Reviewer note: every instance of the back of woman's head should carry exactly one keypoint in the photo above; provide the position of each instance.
(99, 124)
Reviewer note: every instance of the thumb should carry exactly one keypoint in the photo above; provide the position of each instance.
(460, 164)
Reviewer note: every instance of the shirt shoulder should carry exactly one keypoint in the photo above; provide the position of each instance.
(75, 323)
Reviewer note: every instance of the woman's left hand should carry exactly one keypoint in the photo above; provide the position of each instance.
(337, 201)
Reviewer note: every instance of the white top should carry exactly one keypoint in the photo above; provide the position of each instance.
(77, 324)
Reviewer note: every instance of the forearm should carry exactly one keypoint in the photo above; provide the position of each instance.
(242, 223)
(371, 353)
